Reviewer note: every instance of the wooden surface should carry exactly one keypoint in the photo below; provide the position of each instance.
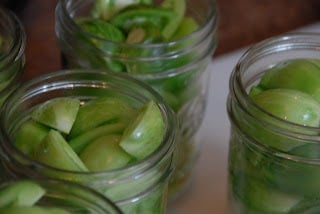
(241, 22)
(244, 22)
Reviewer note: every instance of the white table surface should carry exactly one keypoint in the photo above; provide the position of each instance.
(207, 194)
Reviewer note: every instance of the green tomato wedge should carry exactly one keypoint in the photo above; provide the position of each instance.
(298, 74)
(99, 112)
(304, 178)
(32, 210)
(58, 113)
(187, 26)
(80, 142)
(105, 153)
(179, 8)
(291, 105)
(132, 188)
(101, 29)
(137, 14)
(102, 33)
(54, 151)
(30, 135)
(145, 133)
(21, 193)
(266, 199)
(254, 90)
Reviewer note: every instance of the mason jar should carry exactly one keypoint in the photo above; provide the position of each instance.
(274, 163)
(12, 52)
(177, 68)
(65, 195)
(138, 187)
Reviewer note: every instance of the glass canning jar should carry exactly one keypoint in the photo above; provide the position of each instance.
(177, 69)
(69, 196)
(274, 164)
(139, 187)
(12, 52)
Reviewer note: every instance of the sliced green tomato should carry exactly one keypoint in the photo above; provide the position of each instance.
(58, 113)
(97, 61)
(298, 74)
(80, 142)
(290, 176)
(21, 193)
(30, 135)
(267, 199)
(144, 134)
(179, 8)
(187, 26)
(291, 105)
(99, 112)
(105, 153)
(32, 210)
(54, 151)
(137, 14)
(101, 29)
(133, 187)
(99, 41)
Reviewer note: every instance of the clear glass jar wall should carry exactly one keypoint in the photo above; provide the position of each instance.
(12, 56)
(139, 187)
(274, 164)
(175, 68)
(49, 194)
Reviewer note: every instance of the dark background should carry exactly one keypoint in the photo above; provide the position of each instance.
(241, 23)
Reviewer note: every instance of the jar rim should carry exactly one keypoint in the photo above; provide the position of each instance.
(210, 20)
(17, 32)
(81, 192)
(201, 45)
(284, 42)
(277, 44)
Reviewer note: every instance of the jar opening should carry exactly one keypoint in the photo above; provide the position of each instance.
(69, 10)
(63, 83)
(282, 135)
